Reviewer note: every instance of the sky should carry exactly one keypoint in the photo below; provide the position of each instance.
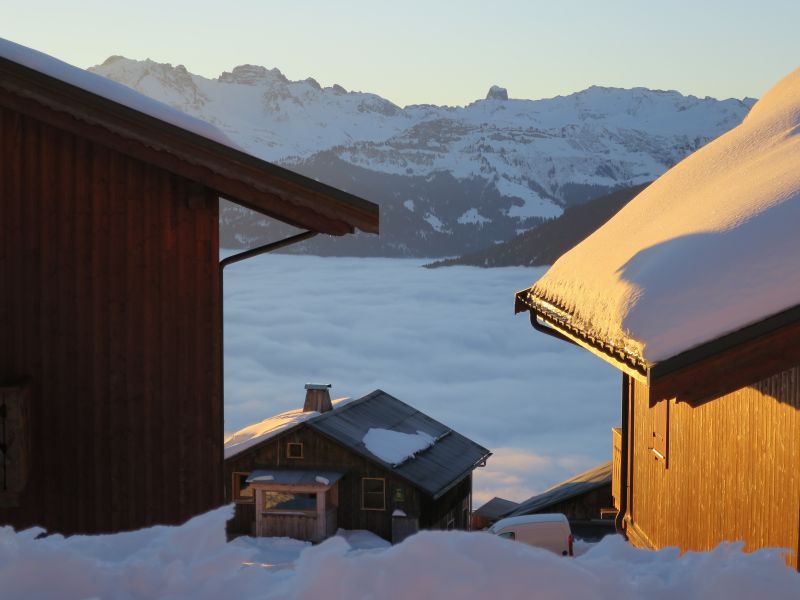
(420, 51)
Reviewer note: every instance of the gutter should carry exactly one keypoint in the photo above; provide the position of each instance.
(300, 237)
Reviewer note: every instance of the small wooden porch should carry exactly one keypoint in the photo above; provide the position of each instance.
(300, 504)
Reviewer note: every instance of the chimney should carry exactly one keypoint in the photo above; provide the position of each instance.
(317, 398)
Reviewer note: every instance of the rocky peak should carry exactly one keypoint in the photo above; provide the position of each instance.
(497, 93)
(251, 75)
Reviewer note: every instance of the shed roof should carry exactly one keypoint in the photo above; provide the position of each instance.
(112, 114)
(583, 483)
(434, 469)
(496, 508)
(304, 477)
(709, 249)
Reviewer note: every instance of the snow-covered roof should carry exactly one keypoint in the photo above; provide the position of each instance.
(270, 427)
(709, 248)
(382, 429)
(111, 90)
(394, 447)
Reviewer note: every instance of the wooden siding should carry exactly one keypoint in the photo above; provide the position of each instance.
(110, 309)
(616, 466)
(319, 452)
(733, 469)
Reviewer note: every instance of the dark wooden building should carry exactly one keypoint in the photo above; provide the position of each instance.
(584, 499)
(693, 292)
(110, 296)
(304, 474)
(490, 512)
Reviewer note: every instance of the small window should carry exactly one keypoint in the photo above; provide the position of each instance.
(13, 444)
(294, 450)
(242, 491)
(509, 535)
(289, 501)
(373, 493)
(661, 430)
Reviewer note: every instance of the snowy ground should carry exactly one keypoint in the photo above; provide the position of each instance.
(194, 562)
(444, 340)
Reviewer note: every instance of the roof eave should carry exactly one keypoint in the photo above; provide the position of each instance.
(625, 362)
(235, 175)
(708, 370)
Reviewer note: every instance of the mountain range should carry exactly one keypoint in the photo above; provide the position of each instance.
(449, 180)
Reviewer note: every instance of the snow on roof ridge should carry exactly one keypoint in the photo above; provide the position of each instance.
(111, 90)
(268, 428)
(707, 249)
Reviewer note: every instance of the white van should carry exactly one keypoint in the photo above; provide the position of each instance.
(549, 531)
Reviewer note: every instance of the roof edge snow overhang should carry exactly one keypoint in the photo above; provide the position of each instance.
(709, 370)
(235, 175)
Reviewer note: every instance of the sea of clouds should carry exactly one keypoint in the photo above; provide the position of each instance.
(445, 341)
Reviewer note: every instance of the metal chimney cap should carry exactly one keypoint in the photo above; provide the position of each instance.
(318, 386)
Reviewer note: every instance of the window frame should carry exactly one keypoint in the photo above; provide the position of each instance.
(289, 454)
(236, 489)
(364, 493)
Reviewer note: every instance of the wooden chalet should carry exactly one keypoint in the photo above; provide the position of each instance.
(584, 499)
(111, 411)
(305, 474)
(693, 292)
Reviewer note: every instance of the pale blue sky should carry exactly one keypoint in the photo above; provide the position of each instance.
(418, 51)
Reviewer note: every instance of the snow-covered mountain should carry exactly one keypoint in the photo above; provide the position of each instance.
(448, 179)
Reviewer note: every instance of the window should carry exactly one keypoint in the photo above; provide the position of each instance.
(661, 430)
(373, 493)
(509, 535)
(289, 501)
(242, 491)
(294, 450)
(13, 444)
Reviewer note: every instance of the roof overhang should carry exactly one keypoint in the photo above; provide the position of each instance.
(707, 371)
(233, 174)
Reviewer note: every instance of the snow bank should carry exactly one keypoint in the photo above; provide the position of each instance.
(394, 447)
(194, 562)
(108, 89)
(707, 249)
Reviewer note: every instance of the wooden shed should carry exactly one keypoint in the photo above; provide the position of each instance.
(110, 296)
(693, 292)
(585, 499)
(305, 473)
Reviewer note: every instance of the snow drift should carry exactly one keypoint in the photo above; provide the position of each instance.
(194, 562)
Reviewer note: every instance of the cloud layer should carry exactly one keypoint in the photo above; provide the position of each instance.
(446, 341)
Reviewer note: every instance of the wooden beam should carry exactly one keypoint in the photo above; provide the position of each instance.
(731, 369)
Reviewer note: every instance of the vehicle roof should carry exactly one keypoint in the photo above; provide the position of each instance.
(524, 519)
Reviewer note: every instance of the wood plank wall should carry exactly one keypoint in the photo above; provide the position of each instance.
(733, 470)
(109, 305)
